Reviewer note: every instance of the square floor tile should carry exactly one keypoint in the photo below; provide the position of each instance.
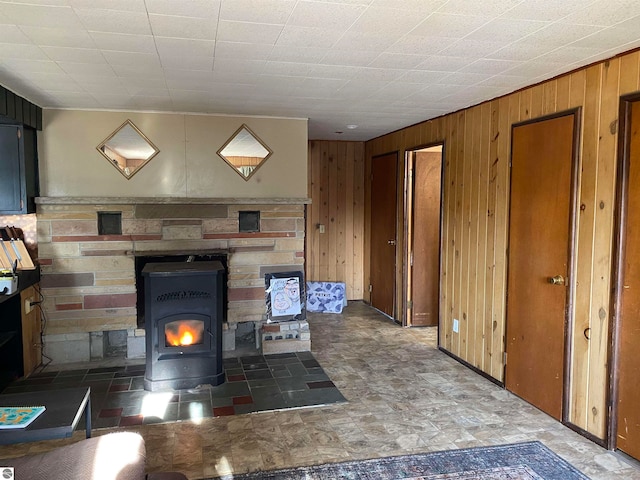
(110, 412)
(119, 388)
(322, 384)
(129, 421)
(223, 411)
(258, 374)
(195, 410)
(244, 400)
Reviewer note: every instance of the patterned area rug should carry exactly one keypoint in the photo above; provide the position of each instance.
(519, 461)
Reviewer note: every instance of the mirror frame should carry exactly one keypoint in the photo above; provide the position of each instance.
(244, 126)
(115, 165)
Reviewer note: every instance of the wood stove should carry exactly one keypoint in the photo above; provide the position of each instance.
(183, 324)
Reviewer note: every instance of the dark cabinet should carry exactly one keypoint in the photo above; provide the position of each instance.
(18, 169)
(20, 329)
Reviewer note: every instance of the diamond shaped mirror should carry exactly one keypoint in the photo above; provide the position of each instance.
(128, 149)
(245, 152)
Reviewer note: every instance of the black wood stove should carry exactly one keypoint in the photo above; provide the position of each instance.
(183, 324)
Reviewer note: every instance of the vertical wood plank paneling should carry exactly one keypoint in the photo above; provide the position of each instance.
(359, 238)
(602, 246)
(459, 231)
(525, 104)
(563, 93)
(438, 130)
(474, 258)
(414, 136)
(629, 65)
(448, 233)
(331, 234)
(537, 100)
(323, 204)
(339, 224)
(578, 374)
(476, 213)
(336, 186)
(577, 92)
(349, 225)
(584, 248)
(563, 89)
(513, 115)
(370, 151)
(428, 134)
(465, 219)
(483, 207)
(549, 90)
(312, 238)
(492, 171)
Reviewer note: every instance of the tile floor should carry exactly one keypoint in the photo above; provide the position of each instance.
(253, 384)
(403, 396)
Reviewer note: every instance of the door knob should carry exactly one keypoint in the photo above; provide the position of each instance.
(391, 242)
(557, 280)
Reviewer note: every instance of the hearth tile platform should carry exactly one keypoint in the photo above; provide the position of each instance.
(253, 384)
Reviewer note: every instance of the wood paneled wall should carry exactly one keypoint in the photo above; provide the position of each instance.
(475, 221)
(336, 187)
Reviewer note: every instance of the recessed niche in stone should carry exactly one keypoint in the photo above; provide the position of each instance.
(109, 223)
(249, 221)
(245, 152)
(128, 149)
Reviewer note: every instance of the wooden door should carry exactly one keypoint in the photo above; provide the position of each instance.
(384, 174)
(628, 333)
(425, 242)
(539, 239)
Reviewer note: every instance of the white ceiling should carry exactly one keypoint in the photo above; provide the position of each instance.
(378, 64)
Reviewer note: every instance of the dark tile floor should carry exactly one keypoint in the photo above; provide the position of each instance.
(252, 384)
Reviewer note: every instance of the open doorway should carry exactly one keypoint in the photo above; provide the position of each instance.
(423, 191)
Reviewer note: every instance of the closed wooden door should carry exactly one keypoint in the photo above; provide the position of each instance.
(384, 174)
(425, 248)
(628, 406)
(539, 236)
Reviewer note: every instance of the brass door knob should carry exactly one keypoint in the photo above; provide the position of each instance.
(557, 280)
(391, 242)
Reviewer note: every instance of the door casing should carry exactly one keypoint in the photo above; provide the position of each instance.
(618, 274)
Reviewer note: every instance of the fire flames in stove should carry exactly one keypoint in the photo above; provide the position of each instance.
(182, 333)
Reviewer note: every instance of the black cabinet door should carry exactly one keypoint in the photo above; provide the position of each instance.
(12, 199)
(19, 185)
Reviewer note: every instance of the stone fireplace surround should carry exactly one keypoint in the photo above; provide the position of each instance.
(88, 280)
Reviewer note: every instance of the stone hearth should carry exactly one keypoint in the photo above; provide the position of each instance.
(88, 279)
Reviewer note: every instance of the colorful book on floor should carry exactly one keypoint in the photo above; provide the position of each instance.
(18, 417)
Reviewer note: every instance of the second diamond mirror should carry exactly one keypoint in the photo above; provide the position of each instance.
(245, 152)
